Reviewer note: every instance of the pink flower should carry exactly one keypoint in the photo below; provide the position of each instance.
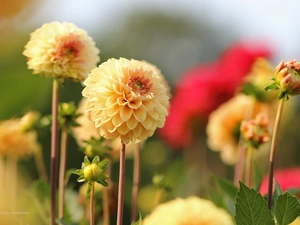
(202, 89)
(288, 178)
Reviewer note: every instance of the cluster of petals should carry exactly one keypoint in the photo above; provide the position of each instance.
(126, 99)
(223, 128)
(192, 210)
(61, 50)
(14, 141)
(202, 89)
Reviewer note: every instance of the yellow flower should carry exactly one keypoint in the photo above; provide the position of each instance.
(296, 221)
(223, 128)
(14, 141)
(61, 50)
(192, 210)
(86, 130)
(126, 99)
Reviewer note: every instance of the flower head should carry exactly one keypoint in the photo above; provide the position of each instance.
(286, 79)
(16, 139)
(255, 131)
(61, 50)
(192, 210)
(223, 128)
(200, 90)
(126, 99)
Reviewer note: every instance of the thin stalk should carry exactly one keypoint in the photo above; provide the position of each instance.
(249, 165)
(54, 150)
(239, 168)
(92, 204)
(62, 171)
(40, 165)
(106, 197)
(121, 185)
(273, 150)
(136, 182)
(106, 212)
(158, 195)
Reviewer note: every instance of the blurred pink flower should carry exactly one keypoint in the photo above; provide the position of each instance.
(288, 178)
(202, 89)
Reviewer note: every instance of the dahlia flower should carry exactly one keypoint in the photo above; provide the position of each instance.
(192, 210)
(14, 141)
(126, 99)
(223, 126)
(61, 50)
(200, 90)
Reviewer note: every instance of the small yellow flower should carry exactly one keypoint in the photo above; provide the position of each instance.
(126, 99)
(61, 50)
(14, 141)
(223, 128)
(192, 210)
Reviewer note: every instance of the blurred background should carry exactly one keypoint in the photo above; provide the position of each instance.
(174, 35)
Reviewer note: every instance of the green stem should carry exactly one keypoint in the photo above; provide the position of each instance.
(121, 185)
(273, 150)
(249, 165)
(136, 182)
(54, 150)
(158, 196)
(106, 212)
(62, 170)
(40, 165)
(92, 205)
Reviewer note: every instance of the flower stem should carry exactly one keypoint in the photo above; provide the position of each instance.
(62, 170)
(54, 150)
(273, 150)
(136, 182)
(249, 165)
(106, 212)
(158, 196)
(40, 165)
(92, 205)
(121, 185)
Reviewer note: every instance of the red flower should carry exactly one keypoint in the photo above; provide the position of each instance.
(287, 179)
(202, 89)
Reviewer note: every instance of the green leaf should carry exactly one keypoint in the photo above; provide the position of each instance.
(226, 186)
(273, 86)
(286, 209)
(139, 222)
(251, 208)
(96, 159)
(86, 161)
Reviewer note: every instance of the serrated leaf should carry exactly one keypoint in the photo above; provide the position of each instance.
(226, 186)
(286, 209)
(251, 208)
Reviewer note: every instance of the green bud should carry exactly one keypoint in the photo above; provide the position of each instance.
(92, 172)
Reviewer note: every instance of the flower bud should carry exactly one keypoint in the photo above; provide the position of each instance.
(287, 78)
(255, 132)
(92, 172)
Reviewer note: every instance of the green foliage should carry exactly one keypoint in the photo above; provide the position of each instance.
(161, 182)
(139, 222)
(286, 209)
(226, 186)
(251, 208)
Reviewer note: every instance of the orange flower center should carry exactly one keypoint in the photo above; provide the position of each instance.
(70, 46)
(139, 84)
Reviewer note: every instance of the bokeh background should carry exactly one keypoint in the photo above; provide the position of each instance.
(174, 35)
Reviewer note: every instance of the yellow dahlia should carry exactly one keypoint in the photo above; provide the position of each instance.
(61, 50)
(223, 128)
(14, 141)
(126, 99)
(192, 210)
